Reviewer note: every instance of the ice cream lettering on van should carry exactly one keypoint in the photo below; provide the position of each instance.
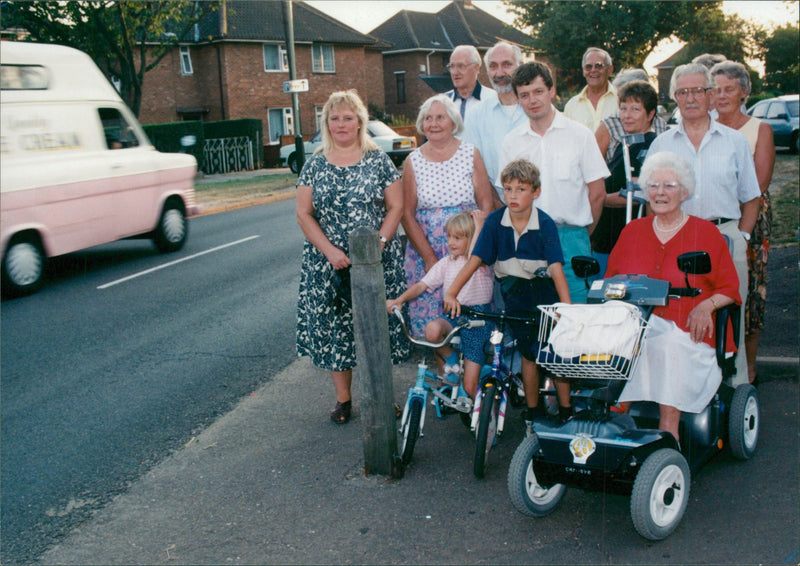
(45, 140)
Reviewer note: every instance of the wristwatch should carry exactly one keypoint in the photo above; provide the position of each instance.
(745, 235)
(383, 239)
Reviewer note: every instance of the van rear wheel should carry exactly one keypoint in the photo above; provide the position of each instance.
(172, 229)
(23, 266)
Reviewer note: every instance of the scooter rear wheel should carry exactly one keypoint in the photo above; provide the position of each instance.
(743, 422)
(660, 494)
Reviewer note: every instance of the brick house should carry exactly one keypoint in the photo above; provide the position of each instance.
(236, 62)
(418, 47)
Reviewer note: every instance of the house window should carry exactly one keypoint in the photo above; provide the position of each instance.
(275, 58)
(281, 123)
(186, 62)
(400, 79)
(322, 59)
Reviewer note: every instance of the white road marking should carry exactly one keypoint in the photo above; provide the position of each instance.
(177, 261)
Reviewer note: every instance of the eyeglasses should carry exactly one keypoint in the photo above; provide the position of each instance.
(459, 66)
(668, 186)
(696, 91)
(596, 66)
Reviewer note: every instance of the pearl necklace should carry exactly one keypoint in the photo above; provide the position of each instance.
(670, 230)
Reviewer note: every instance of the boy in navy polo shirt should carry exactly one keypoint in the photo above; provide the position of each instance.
(519, 240)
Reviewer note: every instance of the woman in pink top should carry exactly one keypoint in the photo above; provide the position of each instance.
(476, 293)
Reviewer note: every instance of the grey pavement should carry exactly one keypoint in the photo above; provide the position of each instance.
(275, 482)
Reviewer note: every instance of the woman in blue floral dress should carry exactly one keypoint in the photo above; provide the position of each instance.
(349, 183)
(441, 178)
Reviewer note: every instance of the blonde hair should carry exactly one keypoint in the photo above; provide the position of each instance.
(461, 224)
(350, 100)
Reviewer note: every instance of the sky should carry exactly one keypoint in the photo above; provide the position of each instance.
(366, 16)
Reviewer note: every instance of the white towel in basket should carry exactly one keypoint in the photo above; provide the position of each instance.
(607, 328)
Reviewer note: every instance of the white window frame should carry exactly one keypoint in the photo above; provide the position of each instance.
(283, 58)
(287, 122)
(186, 60)
(319, 62)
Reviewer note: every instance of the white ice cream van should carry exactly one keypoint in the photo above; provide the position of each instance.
(76, 169)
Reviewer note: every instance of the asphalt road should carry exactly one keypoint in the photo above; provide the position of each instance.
(112, 369)
(104, 377)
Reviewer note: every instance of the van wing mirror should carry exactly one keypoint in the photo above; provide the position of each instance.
(696, 263)
(585, 266)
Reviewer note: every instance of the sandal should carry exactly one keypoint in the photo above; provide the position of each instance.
(341, 414)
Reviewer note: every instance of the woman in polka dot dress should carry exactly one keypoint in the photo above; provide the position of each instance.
(440, 179)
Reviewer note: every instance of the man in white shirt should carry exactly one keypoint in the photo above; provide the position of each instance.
(464, 66)
(570, 164)
(727, 192)
(487, 123)
(598, 99)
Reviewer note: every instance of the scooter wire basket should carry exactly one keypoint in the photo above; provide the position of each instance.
(594, 341)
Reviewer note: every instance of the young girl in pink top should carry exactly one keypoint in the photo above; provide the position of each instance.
(462, 231)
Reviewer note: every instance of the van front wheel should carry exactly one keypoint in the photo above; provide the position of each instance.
(23, 266)
(172, 229)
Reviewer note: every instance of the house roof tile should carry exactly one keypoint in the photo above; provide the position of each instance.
(455, 24)
(262, 20)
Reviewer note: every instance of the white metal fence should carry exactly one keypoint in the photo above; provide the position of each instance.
(223, 155)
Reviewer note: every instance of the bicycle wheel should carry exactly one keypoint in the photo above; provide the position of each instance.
(411, 429)
(487, 429)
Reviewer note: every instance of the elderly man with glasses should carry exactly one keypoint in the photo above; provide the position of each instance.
(598, 99)
(727, 191)
(487, 123)
(464, 65)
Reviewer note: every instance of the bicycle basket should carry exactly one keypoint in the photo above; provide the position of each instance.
(600, 341)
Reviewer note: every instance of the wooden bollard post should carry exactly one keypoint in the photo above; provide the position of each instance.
(374, 366)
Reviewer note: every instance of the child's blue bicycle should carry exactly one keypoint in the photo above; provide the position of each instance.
(499, 382)
(448, 397)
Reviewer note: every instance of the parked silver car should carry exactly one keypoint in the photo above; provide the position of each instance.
(397, 147)
(782, 114)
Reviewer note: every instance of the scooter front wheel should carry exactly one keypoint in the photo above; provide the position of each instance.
(660, 494)
(527, 495)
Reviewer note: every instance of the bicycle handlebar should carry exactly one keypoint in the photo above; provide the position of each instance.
(499, 316)
(461, 323)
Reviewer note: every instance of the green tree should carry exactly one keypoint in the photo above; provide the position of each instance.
(125, 38)
(781, 56)
(711, 31)
(627, 30)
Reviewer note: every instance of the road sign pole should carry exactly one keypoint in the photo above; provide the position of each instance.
(288, 22)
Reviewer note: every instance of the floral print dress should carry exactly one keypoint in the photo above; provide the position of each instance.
(444, 188)
(344, 198)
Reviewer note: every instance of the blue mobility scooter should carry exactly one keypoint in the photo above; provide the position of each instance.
(604, 448)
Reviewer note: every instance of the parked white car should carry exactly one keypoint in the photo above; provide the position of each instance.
(397, 147)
